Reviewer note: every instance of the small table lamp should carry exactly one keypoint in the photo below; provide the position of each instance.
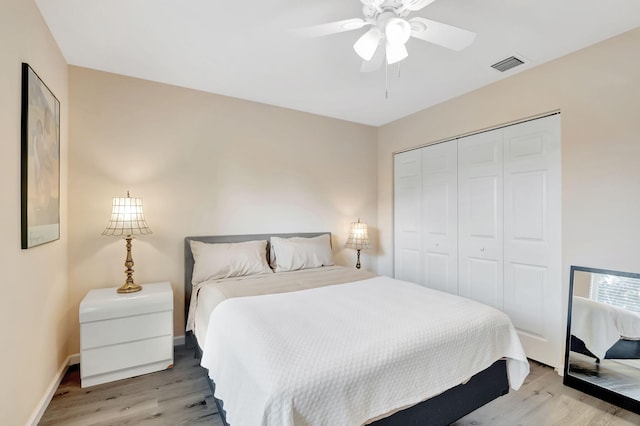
(358, 238)
(127, 218)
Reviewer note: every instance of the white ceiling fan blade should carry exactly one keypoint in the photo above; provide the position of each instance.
(395, 52)
(375, 63)
(367, 45)
(414, 5)
(331, 27)
(441, 34)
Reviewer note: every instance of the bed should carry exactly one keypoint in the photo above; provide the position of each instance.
(356, 350)
(604, 331)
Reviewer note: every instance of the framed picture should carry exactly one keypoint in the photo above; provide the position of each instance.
(40, 168)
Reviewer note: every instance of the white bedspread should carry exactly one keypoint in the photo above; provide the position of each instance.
(346, 354)
(600, 325)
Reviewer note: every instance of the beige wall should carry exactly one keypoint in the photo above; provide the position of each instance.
(582, 284)
(33, 305)
(204, 164)
(207, 164)
(597, 91)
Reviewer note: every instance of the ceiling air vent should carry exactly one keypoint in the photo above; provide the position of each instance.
(507, 64)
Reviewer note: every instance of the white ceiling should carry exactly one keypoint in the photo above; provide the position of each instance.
(246, 49)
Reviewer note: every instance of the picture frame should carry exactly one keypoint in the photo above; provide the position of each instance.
(40, 161)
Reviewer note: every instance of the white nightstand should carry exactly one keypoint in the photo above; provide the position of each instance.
(125, 335)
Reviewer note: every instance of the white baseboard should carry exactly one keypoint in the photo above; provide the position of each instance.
(72, 359)
(48, 395)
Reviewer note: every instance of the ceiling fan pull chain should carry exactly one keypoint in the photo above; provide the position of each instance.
(386, 80)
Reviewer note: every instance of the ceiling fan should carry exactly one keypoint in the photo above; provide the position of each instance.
(391, 26)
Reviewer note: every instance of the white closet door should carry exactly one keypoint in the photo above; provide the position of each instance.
(408, 215)
(480, 248)
(440, 216)
(532, 233)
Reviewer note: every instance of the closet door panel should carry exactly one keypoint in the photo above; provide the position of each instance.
(527, 208)
(480, 209)
(483, 199)
(408, 216)
(408, 265)
(484, 275)
(440, 216)
(437, 271)
(524, 298)
(532, 232)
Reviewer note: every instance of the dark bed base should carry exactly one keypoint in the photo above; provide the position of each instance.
(622, 349)
(440, 410)
(221, 412)
(455, 403)
(198, 354)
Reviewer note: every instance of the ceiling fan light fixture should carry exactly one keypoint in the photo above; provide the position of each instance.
(367, 45)
(395, 52)
(397, 31)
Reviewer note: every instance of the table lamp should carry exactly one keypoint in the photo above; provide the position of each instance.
(358, 238)
(127, 218)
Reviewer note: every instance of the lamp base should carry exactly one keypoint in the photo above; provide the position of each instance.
(129, 288)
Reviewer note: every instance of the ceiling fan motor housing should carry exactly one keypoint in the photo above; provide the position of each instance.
(397, 8)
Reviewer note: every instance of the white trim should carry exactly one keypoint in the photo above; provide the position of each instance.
(72, 359)
(483, 130)
(48, 395)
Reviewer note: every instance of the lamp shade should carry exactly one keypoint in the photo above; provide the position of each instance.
(127, 218)
(367, 45)
(358, 238)
(397, 31)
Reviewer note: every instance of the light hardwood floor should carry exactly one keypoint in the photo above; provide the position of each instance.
(544, 401)
(178, 396)
(181, 396)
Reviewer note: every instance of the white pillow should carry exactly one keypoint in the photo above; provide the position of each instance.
(225, 260)
(292, 254)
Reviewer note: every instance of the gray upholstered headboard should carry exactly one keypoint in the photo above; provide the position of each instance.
(188, 256)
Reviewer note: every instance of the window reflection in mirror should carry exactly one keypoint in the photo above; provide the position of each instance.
(603, 338)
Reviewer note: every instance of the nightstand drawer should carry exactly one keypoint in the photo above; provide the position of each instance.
(116, 357)
(125, 329)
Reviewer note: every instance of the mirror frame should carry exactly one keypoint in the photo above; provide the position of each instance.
(579, 384)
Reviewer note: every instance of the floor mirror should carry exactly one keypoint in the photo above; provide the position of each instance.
(602, 356)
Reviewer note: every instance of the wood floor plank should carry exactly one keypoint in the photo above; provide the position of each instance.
(178, 396)
(544, 401)
(181, 396)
